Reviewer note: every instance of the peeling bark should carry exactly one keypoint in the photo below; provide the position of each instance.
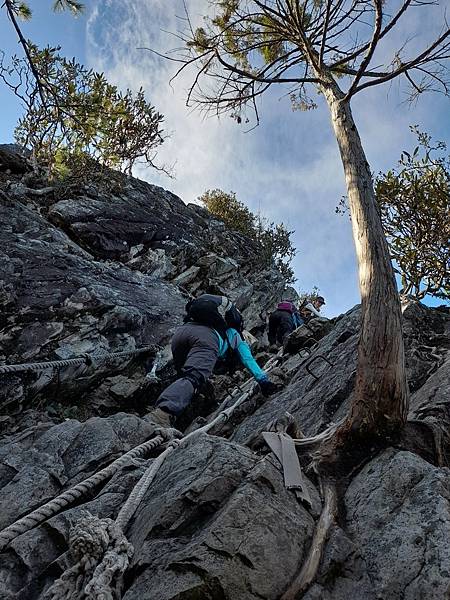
(381, 400)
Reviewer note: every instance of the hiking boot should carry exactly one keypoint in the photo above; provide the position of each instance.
(159, 417)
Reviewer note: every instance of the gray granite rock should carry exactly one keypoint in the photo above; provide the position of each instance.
(217, 523)
(99, 271)
(397, 516)
(105, 270)
(58, 302)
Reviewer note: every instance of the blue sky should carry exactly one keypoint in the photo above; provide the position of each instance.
(288, 168)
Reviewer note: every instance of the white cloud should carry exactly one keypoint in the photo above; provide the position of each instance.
(289, 167)
(113, 36)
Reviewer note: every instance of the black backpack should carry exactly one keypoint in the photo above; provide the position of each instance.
(216, 312)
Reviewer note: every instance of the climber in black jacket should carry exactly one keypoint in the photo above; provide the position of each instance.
(283, 321)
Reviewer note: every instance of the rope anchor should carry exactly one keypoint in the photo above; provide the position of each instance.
(310, 361)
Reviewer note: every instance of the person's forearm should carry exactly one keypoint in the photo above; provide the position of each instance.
(249, 362)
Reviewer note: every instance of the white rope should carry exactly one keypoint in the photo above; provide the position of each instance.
(69, 496)
(101, 554)
(99, 546)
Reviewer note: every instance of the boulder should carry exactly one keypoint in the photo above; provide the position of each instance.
(12, 159)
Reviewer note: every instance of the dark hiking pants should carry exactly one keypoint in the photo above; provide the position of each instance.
(195, 349)
(281, 325)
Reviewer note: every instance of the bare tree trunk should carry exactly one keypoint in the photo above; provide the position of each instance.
(381, 396)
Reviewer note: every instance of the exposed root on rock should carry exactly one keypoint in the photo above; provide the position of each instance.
(347, 445)
(320, 438)
(311, 565)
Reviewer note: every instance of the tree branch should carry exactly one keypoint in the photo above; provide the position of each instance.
(24, 45)
(324, 33)
(406, 66)
(373, 44)
(386, 30)
(269, 80)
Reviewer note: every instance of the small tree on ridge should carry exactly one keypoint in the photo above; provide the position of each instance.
(274, 239)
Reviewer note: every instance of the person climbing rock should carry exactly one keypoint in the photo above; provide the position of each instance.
(212, 331)
(310, 309)
(283, 321)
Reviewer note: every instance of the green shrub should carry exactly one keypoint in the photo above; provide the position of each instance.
(71, 111)
(274, 239)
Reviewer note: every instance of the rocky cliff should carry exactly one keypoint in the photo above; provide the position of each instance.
(85, 270)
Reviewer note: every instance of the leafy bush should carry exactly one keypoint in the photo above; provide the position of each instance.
(71, 111)
(230, 210)
(274, 239)
(305, 297)
(414, 200)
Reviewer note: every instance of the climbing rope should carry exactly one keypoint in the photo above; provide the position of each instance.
(90, 540)
(87, 359)
(99, 547)
(53, 507)
(129, 508)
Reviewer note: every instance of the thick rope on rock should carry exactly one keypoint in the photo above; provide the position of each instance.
(103, 541)
(55, 506)
(88, 359)
(130, 506)
(134, 499)
(101, 554)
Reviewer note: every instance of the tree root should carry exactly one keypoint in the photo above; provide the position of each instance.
(311, 565)
(320, 438)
